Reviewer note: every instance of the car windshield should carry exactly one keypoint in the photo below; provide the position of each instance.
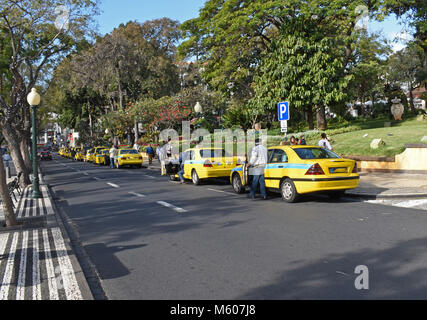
(212, 153)
(128, 152)
(315, 153)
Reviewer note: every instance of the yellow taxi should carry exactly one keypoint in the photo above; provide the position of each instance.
(61, 151)
(92, 155)
(102, 157)
(77, 150)
(297, 170)
(80, 154)
(88, 155)
(206, 163)
(128, 157)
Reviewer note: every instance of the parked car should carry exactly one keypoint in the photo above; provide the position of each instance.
(297, 170)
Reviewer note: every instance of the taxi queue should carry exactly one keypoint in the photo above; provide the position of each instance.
(291, 171)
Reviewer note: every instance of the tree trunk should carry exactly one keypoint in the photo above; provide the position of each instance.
(24, 146)
(411, 99)
(321, 118)
(310, 120)
(18, 161)
(8, 211)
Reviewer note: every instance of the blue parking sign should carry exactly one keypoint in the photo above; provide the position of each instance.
(284, 114)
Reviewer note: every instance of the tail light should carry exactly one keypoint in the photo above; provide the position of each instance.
(124, 158)
(140, 158)
(355, 169)
(315, 170)
(207, 164)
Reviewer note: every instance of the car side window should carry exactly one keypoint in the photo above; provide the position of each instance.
(279, 156)
(270, 154)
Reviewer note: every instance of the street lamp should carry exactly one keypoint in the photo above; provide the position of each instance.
(33, 99)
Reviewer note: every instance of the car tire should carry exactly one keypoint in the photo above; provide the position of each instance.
(288, 191)
(195, 178)
(237, 184)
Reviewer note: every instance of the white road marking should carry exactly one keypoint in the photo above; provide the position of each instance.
(71, 287)
(98, 179)
(113, 185)
(85, 173)
(168, 205)
(20, 288)
(220, 191)
(51, 276)
(137, 194)
(5, 284)
(36, 267)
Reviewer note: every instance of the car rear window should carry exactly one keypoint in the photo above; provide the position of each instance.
(128, 152)
(212, 153)
(315, 153)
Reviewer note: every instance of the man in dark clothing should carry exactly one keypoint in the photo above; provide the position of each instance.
(150, 154)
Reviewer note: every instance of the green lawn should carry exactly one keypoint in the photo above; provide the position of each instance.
(395, 137)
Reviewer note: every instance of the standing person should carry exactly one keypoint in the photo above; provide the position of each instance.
(113, 154)
(325, 143)
(163, 157)
(169, 148)
(293, 141)
(258, 162)
(158, 152)
(6, 159)
(150, 154)
(73, 154)
(302, 141)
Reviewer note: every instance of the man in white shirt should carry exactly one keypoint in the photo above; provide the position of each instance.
(324, 142)
(113, 153)
(257, 163)
(163, 157)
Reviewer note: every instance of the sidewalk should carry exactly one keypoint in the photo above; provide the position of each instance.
(390, 186)
(36, 260)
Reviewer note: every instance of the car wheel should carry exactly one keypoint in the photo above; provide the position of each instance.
(288, 191)
(172, 177)
(237, 184)
(195, 178)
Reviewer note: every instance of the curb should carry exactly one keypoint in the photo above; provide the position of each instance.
(372, 196)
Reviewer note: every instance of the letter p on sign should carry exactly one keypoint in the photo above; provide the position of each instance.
(284, 113)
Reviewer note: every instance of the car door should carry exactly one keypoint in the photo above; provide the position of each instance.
(276, 168)
(188, 164)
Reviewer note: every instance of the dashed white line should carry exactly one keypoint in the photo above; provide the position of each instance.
(168, 205)
(220, 191)
(97, 179)
(137, 194)
(113, 185)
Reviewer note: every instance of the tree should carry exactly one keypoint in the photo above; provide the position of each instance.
(408, 67)
(7, 203)
(39, 33)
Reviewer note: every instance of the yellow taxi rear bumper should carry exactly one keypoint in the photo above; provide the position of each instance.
(306, 185)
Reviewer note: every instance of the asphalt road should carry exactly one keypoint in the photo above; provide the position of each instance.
(150, 238)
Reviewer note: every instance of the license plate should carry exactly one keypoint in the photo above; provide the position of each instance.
(338, 170)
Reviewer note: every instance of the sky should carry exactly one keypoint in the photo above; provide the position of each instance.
(115, 12)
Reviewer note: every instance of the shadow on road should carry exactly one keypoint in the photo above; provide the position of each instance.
(395, 273)
(107, 264)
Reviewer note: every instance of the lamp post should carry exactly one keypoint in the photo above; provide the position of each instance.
(33, 99)
(198, 108)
